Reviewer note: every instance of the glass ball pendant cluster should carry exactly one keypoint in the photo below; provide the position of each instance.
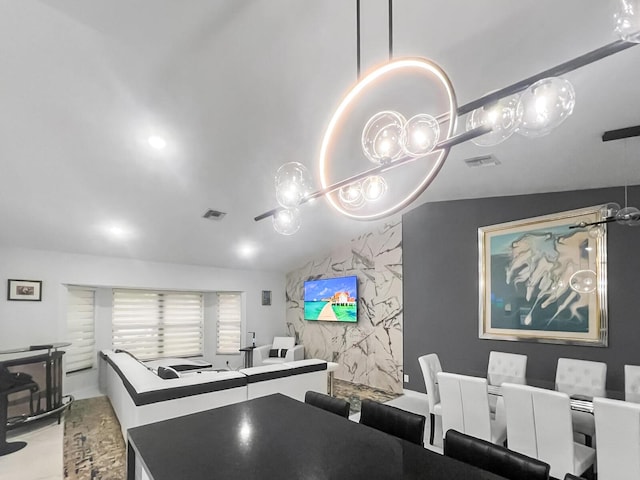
(533, 113)
(387, 137)
(293, 185)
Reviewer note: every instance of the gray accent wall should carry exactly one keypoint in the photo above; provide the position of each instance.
(440, 266)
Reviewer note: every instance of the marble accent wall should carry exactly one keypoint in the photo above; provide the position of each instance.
(369, 352)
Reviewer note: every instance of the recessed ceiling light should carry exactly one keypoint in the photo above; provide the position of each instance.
(246, 250)
(116, 232)
(157, 142)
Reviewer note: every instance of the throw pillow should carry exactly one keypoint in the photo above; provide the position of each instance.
(167, 372)
(277, 353)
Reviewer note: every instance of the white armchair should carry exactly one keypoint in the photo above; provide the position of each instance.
(293, 352)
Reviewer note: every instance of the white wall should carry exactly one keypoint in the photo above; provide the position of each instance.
(28, 323)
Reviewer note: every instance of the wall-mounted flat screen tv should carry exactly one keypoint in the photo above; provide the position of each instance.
(331, 299)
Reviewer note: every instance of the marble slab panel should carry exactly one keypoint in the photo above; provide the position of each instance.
(369, 352)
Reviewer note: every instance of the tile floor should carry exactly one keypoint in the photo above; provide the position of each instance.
(41, 459)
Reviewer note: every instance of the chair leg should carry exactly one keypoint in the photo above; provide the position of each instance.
(433, 426)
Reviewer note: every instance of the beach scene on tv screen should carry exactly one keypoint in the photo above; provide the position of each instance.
(331, 299)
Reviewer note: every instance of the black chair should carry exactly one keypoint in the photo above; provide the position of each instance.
(12, 383)
(394, 421)
(493, 458)
(330, 404)
(568, 476)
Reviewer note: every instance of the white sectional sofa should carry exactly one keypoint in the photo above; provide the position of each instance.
(293, 379)
(139, 396)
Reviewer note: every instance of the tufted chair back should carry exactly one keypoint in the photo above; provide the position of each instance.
(581, 377)
(632, 383)
(506, 367)
(430, 365)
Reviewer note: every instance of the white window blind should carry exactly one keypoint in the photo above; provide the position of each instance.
(80, 329)
(154, 324)
(229, 322)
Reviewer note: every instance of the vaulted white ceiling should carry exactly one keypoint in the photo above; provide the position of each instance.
(239, 87)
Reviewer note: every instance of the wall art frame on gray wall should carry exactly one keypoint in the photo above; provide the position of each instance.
(526, 272)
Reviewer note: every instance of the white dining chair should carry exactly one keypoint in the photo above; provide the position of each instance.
(465, 408)
(632, 383)
(582, 377)
(520, 419)
(430, 365)
(551, 439)
(505, 367)
(618, 428)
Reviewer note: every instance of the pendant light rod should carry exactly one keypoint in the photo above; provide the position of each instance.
(390, 9)
(558, 70)
(620, 133)
(358, 38)
(445, 144)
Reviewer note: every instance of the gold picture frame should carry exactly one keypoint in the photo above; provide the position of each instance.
(544, 280)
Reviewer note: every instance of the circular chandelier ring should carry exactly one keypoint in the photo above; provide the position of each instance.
(410, 63)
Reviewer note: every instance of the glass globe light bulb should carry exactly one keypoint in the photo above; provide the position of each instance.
(287, 221)
(609, 210)
(374, 188)
(544, 105)
(629, 216)
(596, 231)
(627, 20)
(583, 281)
(351, 196)
(381, 137)
(500, 116)
(293, 183)
(420, 135)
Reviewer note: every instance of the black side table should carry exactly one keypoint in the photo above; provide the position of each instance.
(248, 356)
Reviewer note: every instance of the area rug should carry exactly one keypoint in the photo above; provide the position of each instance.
(93, 445)
(354, 393)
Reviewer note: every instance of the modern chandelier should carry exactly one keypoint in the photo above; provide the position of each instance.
(420, 141)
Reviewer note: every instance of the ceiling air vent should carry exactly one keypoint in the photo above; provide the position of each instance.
(482, 161)
(214, 214)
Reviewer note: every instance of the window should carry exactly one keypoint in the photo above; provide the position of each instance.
(154, 324)
(229, 323)
(80, 329)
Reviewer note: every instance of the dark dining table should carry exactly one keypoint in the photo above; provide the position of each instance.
(279, 437)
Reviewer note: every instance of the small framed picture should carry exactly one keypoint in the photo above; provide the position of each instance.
(26, 290)
(266, 297)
